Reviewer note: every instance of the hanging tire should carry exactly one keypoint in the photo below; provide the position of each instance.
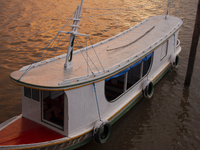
(175, 60)
(148, 89)
(101, 132)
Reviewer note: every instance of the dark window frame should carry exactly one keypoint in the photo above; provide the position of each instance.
(32, 93)
(144, 67)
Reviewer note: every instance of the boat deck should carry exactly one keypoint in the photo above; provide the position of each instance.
(111, 52)
(25, 131)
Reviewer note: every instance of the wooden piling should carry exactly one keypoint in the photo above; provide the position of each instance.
(193, 48)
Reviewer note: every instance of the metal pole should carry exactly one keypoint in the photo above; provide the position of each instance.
(193, 49)
(167, 10)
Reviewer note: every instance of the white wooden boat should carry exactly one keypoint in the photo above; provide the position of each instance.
(68, 101)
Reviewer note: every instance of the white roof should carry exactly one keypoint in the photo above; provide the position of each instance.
(122, 50)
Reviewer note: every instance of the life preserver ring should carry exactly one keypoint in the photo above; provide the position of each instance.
(148, 89)
(175, 60)
(101, 131)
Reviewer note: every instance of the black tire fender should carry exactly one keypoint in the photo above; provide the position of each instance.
(175, 60)
(148, 89)
(101, 131)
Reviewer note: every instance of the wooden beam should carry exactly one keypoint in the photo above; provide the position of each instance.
(193, 49)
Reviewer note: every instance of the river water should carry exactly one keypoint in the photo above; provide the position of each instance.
(169, 120)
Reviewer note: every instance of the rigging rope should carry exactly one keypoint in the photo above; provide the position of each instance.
(53, 46)
(88, 57)
(97, 101)
(177, 12)
(85, 60)
(30, 66)
(53, 54)
(96, 53)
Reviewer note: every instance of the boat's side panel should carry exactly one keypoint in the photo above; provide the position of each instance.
(160, 62)
(110, 110)
(82, 110)
(31, 108)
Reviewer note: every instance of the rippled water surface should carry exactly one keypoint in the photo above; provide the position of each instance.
(169, 120)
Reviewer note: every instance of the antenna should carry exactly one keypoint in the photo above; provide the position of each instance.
(167, 10)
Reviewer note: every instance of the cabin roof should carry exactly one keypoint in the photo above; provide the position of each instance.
(114, 53)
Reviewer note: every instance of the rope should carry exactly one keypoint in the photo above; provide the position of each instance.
(97, 101)
(167, 9)
(36, 59)
(53, 46)
(37, 32)
(56, 50)
(177, 12)
(88, 56)
(96, 54)
(133, 41)
(30, 66)
(85, 59)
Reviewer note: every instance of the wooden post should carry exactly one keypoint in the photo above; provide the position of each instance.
(193, 48)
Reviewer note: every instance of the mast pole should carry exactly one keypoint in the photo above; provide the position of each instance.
(167, 10)
(68, 62)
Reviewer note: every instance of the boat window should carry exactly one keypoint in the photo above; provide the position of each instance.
(134, 75)
(27, 92)
(31, 93)
(35, 94)
(119, 83)
(53, 108)
(114, 87)
(164, 50)
(146, 65)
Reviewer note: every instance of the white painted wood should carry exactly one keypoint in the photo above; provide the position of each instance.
(82, 109)
(54, 69)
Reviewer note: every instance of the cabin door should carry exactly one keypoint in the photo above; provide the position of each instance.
(53, 108)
